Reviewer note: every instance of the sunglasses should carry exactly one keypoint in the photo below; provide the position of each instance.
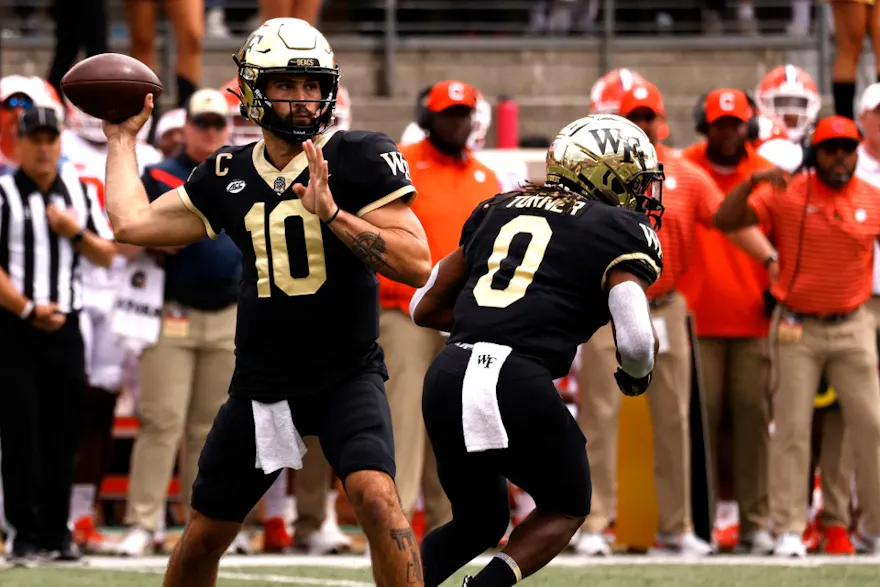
(209, 122)
(642, 115)
(18, 102)
(834, 145)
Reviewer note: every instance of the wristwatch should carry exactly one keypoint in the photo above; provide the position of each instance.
(774, 256)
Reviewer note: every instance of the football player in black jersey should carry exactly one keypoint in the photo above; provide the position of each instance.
(316, 213)
(537, 273)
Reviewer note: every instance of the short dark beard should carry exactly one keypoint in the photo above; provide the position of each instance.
(453, 150)
(726, 161)
(834, 183)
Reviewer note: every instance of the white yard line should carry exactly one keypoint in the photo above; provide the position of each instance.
(287, 579)
(568, 561)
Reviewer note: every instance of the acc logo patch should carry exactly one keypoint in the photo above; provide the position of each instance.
(236, 186)
(280, 185)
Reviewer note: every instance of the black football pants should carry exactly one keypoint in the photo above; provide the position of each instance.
(79, 24)
(42, 383)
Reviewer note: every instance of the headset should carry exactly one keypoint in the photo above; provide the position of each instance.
(702, 126)
(423, 115)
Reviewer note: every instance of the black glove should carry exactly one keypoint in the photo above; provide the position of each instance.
(629, 385)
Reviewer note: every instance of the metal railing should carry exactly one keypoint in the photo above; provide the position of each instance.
(601, 28)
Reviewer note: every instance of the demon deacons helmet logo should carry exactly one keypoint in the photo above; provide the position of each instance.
(607, 158)
(294, 47)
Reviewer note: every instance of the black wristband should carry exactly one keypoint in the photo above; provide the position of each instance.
(335, 214)
(78, 236)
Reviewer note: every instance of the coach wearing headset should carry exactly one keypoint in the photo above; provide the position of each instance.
(824, 223)
(724, 289)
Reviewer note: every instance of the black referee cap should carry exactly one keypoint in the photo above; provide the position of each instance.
(38, 118)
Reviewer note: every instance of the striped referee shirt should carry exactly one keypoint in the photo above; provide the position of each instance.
(42, 265)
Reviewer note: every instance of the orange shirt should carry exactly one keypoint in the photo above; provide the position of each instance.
(724, 286)
(690, 197)
(449, 190)
(837, 252)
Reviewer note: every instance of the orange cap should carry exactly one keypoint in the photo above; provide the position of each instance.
(449, 93)
(728, 102)
(836, 127)
(643, 96)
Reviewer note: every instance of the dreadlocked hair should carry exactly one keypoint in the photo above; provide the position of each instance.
(567, 197)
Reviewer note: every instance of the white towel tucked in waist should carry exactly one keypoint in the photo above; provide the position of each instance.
(278, 443)
(480, 414)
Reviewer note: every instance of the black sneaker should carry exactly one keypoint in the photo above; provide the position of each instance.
(69, 554)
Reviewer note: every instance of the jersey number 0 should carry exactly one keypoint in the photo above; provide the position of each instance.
(539, 229)
(271, 231)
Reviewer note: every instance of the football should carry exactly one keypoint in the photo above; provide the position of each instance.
(110, 86)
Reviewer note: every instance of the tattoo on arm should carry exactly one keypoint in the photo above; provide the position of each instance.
(370, 248)
(405, 539)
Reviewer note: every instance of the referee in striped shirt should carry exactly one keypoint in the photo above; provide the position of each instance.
(48, 220)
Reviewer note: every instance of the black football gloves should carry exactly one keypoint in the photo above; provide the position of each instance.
(631, 386)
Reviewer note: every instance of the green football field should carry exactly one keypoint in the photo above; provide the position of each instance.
(621, 571)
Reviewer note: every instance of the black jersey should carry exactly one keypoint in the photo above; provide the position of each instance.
(537, 275)
(308, 313)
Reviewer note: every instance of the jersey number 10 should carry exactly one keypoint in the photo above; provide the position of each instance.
(523, 273)
(271, 231)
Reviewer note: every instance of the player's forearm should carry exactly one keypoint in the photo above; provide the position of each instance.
(752, 242)
(735, 213)
(395, 253)
(98, 250)
(430, 308)
(10, 298)
(125, 195)
(128, 251)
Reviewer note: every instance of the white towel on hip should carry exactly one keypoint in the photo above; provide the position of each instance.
(480, 413)
(278, 443)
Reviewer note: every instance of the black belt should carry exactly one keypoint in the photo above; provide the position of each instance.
(827, 318)
(661, 301)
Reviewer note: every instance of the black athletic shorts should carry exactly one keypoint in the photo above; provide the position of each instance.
(546, 454)
(352, 422)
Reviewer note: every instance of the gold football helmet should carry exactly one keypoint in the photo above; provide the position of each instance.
(294, 47)
(607, 158)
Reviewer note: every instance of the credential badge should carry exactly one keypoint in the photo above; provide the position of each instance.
(280, 185)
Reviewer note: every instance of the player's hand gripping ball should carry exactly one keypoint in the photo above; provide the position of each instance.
(110, 86)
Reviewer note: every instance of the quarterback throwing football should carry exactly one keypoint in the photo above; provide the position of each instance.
(315, 213)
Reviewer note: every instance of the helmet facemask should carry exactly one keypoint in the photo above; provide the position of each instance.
(258, 108)
(617, 181)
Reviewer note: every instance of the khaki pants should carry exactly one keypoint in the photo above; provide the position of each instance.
(409, 350)
(837, 457)
(669, 401)
(846, 353)
(184, 379)
(835, 469)
(312, 485)
(737, 370)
